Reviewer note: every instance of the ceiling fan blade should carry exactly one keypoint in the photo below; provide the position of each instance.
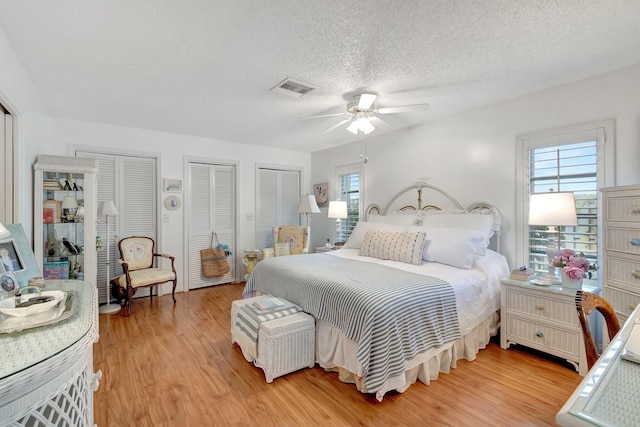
(324, 115)
(378, 122)
(366, 101)
(337, 125)
(403, 109)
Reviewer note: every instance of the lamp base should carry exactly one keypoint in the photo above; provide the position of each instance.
(109, 308)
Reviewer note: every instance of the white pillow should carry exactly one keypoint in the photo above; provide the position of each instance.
(452, 246)
(395, 218)
(395, 246)
(462, 220)
(359, 232)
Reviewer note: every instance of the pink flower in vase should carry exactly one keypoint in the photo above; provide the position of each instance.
(574, 272)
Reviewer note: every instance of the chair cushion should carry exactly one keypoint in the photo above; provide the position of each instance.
(137, 252)
(145, 277)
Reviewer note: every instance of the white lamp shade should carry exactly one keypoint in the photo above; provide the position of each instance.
(109, 208)
(337, 209)
(308, 205)
(3, 231)
(553, 209)
(69, 202)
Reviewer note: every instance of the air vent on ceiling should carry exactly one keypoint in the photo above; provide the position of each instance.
(291, 87)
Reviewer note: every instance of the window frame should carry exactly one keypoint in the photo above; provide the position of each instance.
(350, 169)
(604, 133)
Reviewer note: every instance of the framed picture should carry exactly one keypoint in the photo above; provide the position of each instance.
(51, 209)
(17, 242)
(321, 192)
(8, 282)
(172, 185)
(10, 257)
(58, 270)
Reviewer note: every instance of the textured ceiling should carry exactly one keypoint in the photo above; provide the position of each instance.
(205, 67)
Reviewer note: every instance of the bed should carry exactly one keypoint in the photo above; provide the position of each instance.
(414, 289)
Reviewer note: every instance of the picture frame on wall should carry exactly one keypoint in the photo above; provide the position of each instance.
(321, 193)
(172, 185)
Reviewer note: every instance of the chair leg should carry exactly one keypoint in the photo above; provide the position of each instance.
(173, 291)
(130, 292)
(151, 293)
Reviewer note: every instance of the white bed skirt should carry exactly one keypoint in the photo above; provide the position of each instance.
(335, 352)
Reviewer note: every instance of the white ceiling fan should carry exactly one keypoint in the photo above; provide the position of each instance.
(361, 110)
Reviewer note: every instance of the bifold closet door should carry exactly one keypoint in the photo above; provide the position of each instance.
(7, 172)
(211, 209)
(130, 182)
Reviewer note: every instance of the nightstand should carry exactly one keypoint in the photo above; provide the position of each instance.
(543, 318)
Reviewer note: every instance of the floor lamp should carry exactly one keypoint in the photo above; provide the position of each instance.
(108, 209)
(308, 206)
(553, 210)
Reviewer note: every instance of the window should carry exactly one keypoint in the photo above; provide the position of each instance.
(577, 160)
(349, 179)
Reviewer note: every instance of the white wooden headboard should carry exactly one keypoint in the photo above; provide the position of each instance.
(438, 199)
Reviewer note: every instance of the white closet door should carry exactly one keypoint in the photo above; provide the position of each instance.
(131, 183)
(7, 173)
(277, 202)
(211, 209)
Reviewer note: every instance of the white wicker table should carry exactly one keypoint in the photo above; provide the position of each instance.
(285, 345)
(47, 376)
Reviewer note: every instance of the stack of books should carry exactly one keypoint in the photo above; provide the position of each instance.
(268, 304)
(51, 184)
(522, 274)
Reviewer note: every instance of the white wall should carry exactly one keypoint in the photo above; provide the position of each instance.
(471, 155)
(38, 133)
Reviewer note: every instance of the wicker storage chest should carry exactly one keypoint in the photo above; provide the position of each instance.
(285, 344)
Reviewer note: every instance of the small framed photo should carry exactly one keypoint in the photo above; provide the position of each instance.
(51, 211)
(10, 257)
(173, 185)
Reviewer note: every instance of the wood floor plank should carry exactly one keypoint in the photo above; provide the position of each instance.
(174, 365)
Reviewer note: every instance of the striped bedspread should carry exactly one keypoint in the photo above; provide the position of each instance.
(392, 315)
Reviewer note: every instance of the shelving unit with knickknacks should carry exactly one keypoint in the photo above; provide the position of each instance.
(65, 217)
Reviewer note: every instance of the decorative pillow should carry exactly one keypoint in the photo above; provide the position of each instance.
(281, 249)
(358, 233)
(395, 218)
(462, 220)
(395, 246)
(295, 235)
(452, 246)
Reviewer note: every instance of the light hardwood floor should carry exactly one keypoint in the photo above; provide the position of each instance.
(169, 365)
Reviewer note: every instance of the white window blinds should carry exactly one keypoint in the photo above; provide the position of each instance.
(349, 180)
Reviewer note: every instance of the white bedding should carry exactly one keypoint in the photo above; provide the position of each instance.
(477, 293)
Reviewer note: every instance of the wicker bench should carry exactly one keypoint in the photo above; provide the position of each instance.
(285, 344)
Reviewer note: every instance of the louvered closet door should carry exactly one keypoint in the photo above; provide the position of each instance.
(131, 183)
(211, 209)
(277, 202)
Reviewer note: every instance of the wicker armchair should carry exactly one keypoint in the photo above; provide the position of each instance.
(586, 302)
(136, 257)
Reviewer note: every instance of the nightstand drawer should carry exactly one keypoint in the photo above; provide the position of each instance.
(560, 311)
(619, 239)
(546, 338)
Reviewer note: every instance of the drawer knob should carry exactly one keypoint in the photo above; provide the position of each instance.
(540, 307)
(635, 242)
(539, 334)
(636, 274)
(632, 306)
(635, 210)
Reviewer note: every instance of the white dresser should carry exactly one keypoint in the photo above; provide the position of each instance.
(620, 270)
(47, 377)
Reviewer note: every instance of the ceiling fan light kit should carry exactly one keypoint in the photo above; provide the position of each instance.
(362, 109)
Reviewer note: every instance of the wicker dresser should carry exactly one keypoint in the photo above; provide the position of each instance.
(621, 248)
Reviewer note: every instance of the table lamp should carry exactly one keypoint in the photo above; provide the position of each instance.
(308, 206)
(553, 209)
(337, 210)
(69, 205)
